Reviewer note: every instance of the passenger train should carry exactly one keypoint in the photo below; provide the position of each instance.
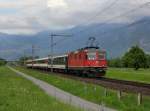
(88, 61)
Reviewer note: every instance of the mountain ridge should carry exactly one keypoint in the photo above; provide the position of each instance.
(116, 38)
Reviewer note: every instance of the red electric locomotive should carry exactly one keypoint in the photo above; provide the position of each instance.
(90, 61)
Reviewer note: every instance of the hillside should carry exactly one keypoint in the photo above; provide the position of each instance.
(115, 38)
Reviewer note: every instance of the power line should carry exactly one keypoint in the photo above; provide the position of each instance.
(101, 12)
(126, 26)
(111, 19)
(119, 16)
(93, 17)
(52, 46)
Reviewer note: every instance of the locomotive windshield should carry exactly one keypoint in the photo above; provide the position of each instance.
(91, 54)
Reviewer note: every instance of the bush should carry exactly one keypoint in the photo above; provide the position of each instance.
(134, 58)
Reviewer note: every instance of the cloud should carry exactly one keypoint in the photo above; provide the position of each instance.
(56, 3)
(32, 16)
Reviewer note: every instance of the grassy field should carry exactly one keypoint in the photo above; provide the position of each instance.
(92, 92)
(19, 94)
(142, 75)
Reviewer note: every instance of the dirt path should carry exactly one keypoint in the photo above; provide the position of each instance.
(63, 96)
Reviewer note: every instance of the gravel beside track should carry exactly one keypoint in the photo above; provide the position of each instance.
(64, 96)
(126, 86)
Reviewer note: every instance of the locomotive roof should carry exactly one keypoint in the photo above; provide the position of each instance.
(88, 48)
(91, 48)
(85, 48)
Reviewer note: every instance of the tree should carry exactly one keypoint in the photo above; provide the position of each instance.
(135, 58)
(117, 62)
(2, 62)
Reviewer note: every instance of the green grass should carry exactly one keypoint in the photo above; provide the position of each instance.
(142, 75)
(19, 94)
(91, 92)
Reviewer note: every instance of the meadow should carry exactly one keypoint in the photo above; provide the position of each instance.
(141, 75)
(91, 92)
(19, 94)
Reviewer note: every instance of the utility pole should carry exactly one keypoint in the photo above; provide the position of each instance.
(51, 59)
(32, 54)
(24, 57)
(52, 47)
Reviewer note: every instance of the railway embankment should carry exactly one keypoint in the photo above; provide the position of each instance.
(64, 96)
(93, 93)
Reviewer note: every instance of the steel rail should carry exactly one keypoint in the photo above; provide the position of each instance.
(114, 84)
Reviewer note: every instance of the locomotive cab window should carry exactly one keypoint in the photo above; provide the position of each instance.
(101, 55)
(91, 55)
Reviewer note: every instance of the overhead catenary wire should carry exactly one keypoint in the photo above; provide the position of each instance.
(109, 20)
(119, 16)
(124, 27)
(93, 17)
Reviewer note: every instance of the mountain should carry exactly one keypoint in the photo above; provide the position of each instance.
(115, 38)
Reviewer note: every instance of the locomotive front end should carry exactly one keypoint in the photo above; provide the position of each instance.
(96, 61)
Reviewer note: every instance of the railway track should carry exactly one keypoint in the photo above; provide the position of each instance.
(108, 83)
(120, 85)
(124, 86)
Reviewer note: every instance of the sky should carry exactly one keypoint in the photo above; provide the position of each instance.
(33, 16)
